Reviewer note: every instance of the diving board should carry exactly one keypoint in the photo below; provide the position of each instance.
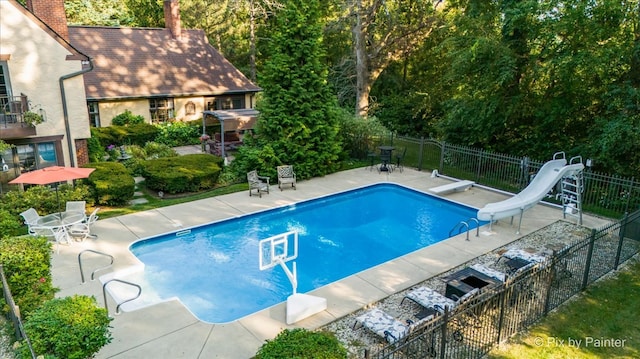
(452, 187)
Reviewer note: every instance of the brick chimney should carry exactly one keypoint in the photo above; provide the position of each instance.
(51, 12)
(172, 17)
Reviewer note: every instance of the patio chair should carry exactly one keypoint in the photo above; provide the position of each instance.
(81, 231)
(399, 158)
(30, 216)
(386, 326)
(76, 206)
(257, 183)
(57, 235)
(286, 176)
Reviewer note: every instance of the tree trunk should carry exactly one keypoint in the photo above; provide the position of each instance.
(362, 65)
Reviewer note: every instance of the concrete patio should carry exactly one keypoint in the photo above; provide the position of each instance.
(169, 330)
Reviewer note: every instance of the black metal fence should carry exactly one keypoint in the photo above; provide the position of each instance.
(604, 194)
(473, 328)
(14, 311)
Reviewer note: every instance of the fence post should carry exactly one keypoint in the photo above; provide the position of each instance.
(443, 335)
(420, 154)
(623, 227)
(503, 304)
(587, 267)
(442, 151)
(479, 169)
(626, 206)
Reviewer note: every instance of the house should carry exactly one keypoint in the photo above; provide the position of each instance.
(41, 73)
(162, 74)
(82, 76)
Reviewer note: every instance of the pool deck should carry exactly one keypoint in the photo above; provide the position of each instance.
(169, 330)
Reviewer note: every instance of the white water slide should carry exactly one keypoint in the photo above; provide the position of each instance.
(550, 173)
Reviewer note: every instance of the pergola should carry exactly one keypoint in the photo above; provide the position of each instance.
(244, 119)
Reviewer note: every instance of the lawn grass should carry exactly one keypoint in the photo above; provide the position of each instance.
(604, 322)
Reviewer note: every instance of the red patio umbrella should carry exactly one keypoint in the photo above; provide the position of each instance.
(53, 174)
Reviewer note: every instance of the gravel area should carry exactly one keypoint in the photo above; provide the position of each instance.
(552, 237)
(6, 352)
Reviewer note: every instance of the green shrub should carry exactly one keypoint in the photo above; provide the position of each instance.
(9, 224)
(127, 118)
(111, 183)
(137, 134)
(250, 158)
(189, 173)
(27, 265)
(302, 344)
(96, 151)
(70, 327)
(178, 133)
(43, 199)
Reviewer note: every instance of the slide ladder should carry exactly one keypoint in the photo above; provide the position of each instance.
(572, 187)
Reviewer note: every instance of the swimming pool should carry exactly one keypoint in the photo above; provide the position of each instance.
(213, 269)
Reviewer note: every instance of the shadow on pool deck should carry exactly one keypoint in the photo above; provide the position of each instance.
(169, 330)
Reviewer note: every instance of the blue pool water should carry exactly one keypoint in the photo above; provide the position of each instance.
(214, 269)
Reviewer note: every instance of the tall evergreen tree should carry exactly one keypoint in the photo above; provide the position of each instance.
(298, 112)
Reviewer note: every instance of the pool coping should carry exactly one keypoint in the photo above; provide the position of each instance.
(168, 329)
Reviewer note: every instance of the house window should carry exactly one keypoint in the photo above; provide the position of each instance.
(190, 108)
(94, 114)
(225, 103)
(5, 88)
(161, 109)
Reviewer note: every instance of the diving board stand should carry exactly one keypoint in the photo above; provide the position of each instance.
(452, 187)
(277, 250)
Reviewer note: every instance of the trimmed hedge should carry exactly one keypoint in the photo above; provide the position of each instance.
(111, 183)
(71, 327)
(27, 264)
(137, 134)
(189, 173)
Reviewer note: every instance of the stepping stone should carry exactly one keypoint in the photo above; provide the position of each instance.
(138, 201)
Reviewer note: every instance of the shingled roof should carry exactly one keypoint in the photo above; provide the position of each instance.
(146, 62)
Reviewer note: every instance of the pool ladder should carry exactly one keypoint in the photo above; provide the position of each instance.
(104, 286)
(465, 224)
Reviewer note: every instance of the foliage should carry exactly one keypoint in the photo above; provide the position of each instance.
(136, 134)
(189, 173)
(127, 118)
(9, 224)
(32, 118)
(26, 262)
(97, 13)
(251, 158)
(301, 343)
(298, 114)
(111, 183)
(71, 327)
(360, 136)
(146, 13)
(4, 146)
(43, 199)
(96, 150)
(151, 150)
(175, 134)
